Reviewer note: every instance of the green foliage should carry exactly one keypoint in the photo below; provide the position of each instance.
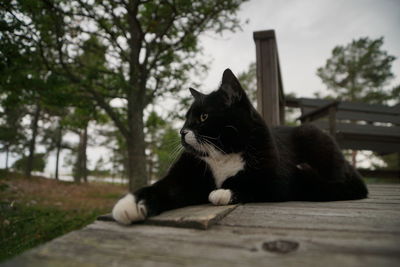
(39, 163)
(165, 33)
(358, 71)
(391, 161)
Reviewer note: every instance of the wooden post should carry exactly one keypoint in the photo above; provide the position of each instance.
(269, 83)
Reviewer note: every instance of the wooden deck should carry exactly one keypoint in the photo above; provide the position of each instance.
(346, 233)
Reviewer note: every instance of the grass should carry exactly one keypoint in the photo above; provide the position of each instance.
(36, 210)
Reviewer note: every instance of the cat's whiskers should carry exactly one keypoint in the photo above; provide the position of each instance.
(176, 151)
(207, 146)
(205, 138)
(174, 146)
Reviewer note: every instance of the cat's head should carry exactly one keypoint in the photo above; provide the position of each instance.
(220, 121)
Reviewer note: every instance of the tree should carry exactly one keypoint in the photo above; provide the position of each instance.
(23, 75)
(151, 49)
(23, 79)
(77, 121)
(358, 71)
(11, 131)
(53, 134)
(153, 128)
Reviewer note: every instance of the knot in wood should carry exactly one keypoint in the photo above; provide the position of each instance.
(280, 246)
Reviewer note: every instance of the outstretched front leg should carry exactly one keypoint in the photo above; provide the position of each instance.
(187, 183)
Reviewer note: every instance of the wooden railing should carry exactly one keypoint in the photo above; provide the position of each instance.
(270, 96)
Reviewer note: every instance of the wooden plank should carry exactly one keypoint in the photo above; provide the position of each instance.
(369, 117)
(351, 106)
(108, 244)
(198, 217)
(346, 219)
(292, 102)
(316, 113)
(365, 137)
(345, 242)
(356, 115)
(352, 111)
(359, 206)
(363, 129)
(361, 143)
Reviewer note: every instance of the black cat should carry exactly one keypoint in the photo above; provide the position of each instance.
(231, 156)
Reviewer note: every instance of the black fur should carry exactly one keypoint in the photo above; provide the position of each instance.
(281, 164)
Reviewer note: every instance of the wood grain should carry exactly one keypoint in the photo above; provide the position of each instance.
(342, 233)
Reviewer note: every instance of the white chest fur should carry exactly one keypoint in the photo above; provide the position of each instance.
(224, 166)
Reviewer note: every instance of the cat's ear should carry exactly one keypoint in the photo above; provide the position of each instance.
(196, 94)
(231, 88)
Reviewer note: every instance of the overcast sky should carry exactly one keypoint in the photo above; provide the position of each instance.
(307, 31)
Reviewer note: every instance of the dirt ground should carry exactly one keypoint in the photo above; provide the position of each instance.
(63, 195)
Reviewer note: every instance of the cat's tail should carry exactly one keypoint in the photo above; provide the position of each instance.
(349, 186)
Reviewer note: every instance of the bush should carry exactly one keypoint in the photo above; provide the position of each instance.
(39, 163)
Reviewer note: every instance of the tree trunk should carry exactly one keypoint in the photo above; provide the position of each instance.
(136, 145)
(32, 143)
(78, 168)
(84, 155)
(150, 167)
(7, 154)
(135, 95)
(150, 157)
(59, 142)
(81, 166)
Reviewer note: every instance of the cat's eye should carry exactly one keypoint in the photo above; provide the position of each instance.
(203, 117)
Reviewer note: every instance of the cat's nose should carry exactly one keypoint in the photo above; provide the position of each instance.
(183, 132)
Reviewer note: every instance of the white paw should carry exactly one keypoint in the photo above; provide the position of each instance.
(299, 166)
(220, 196)
(127, 210)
